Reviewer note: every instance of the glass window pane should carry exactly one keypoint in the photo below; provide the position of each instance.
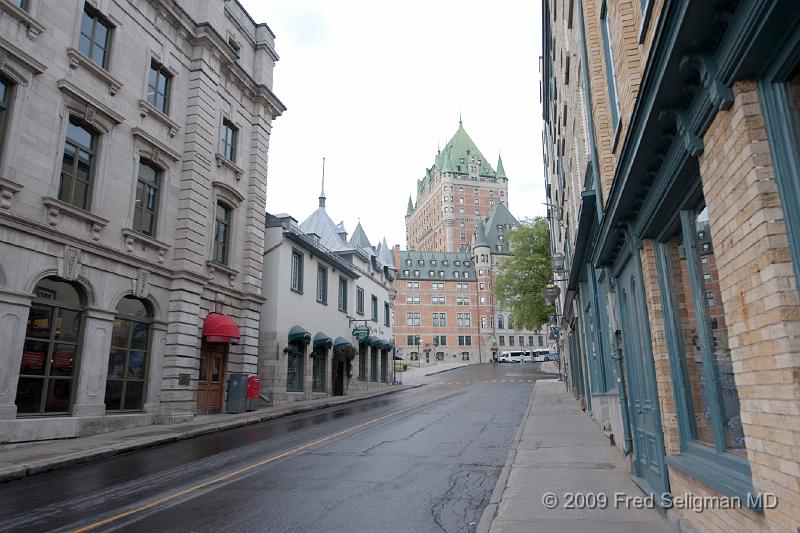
(216, 367)
(134, 395)
(113, 395)
(136, 364)
(146, 222)
(119, 334)
(100, 34)
(86, 25)
(714, 317)
(84, 44)
(57, 291)
(29, 395)
(203, 368)
(132, 307)
(39, 318)
(34, 357)
(79, 195)
(62, 362)
(140, 336)
(116, 364)
(59, 394)
(68, 325)
(79, 135)
(147, 173)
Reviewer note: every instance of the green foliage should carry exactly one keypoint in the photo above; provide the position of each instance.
(344, 353)
(521, 276)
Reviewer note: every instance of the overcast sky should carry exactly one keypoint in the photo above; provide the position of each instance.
(375, 86)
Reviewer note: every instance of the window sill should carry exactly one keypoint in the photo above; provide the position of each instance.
(34, 28)
(132, 237)
(295, 290)
(77, 58)
(146, 108)
(726, 481)
(321, 302)
(223, 161)
(213, 267)
(55, 208)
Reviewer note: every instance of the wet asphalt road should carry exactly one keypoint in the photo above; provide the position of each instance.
(425, 459)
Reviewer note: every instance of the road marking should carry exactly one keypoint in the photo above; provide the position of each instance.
(502, 381)
(494, 381)
(530, 381)
(253, 466)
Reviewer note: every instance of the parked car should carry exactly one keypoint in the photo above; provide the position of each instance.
(540, 355)
(551, 356)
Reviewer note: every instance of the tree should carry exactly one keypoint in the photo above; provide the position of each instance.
(518, 287)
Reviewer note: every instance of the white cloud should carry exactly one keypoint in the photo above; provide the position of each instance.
(374, 86)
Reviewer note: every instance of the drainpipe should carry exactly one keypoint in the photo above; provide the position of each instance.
(623, 395)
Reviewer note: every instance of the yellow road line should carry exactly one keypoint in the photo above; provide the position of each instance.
(242, 470)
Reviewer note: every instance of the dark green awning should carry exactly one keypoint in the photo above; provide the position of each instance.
(374, 341)
(387, 345)
(341, 342)
(320, 339)
(298, 334)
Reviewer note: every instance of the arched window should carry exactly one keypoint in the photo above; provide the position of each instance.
(500, 322)
(52, 342)
(127, 361)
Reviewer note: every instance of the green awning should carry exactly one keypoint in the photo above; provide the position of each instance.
(387, 345)
(298, 334)
(374, 341)
(341, 342)
(320, 339)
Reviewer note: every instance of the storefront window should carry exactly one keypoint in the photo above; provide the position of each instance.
(318, 369)
(700, 336)
(49, 356)
(295, 369)
(127, 361)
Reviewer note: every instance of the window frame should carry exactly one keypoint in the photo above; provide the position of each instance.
(5, 110)
(228, 140)
(386, 314)
(92, 151)
(160, 70)
(322, 284)
(298, 287)
(343, 294)
(147, 356)
(611, 79)
(159, 173)
(97, 18)
(226, 244)
(359, 300)
(374, 307)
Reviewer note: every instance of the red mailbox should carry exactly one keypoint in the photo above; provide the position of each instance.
(253, 386)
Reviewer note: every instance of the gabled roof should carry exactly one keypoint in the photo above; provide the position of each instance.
(461, 147)
(498, 223)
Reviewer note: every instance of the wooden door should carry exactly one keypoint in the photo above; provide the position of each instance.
(212, 377)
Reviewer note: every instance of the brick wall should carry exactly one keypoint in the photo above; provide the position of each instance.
(757, 286)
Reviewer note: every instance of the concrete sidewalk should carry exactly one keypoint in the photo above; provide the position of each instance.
(25, 459)
(559, 451)
(418, 374)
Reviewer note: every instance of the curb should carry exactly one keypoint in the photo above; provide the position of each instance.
(490, 511)
(63, 461)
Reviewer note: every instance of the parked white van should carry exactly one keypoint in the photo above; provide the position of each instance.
(512, 357)
(540, 355)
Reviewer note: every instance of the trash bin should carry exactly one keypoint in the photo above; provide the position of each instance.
(237, 393)
(253, 392)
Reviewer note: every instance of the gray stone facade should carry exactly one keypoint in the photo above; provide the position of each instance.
(219, 64)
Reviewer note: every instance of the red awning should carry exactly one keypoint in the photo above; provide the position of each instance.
(220, 328)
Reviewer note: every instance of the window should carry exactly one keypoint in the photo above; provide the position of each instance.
(463, 236)
(322, 285)
(359, 300)
(342, 294)
(530, 341)
(412, 300)
(228, 140)
(608, 55)
(483, 300)
(5, 104)
(297, 271)
(406, 273)
(158, 87)
(464, 320)
(439, 320)
(465, 274)
(483, 322)
(437, 300)
(465, 340)
(501, 340)
(374, 308)
(77, 165)
(440, 340)
(500, 322)
(477, 212)
(295, 367)
(416, 273)
(412, 340)
(408, 262)
(431, 273)
(433, 262)
(707, 277)
(412, 319)
(511, 340)
(222, 238)
(318, 362)
(50, 352)
(420, 262)
(445, 262)
(482, 286)
(386, 314)
(477, 201)
(146, 206)
(22, 4)
(462, 300)
(700, 356)
(456, 273)
(521, 340)
(541, 340)
(127, 361)
(95, 34)
(441, 273)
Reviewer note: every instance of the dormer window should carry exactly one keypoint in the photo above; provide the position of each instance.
(445, 262)
(408, 262)
(420, 262)
(457, 263)
(433, 262)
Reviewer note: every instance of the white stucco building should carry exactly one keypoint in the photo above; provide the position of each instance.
(133, 146)
(319, 288)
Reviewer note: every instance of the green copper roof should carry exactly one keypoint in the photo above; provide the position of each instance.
(410, 208)
(458, 151)
(501, 172)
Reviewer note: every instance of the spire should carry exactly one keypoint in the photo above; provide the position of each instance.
(322, 192)
(410, 208)
(501, 172)
(448, 165)
(460, 124)
(480, 236)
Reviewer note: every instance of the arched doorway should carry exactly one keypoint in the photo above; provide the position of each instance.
(129, 356)
(53, 338)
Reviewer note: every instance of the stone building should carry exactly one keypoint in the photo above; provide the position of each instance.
(671, 165)
(456, 237)
(320, 287)
(133, 146)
